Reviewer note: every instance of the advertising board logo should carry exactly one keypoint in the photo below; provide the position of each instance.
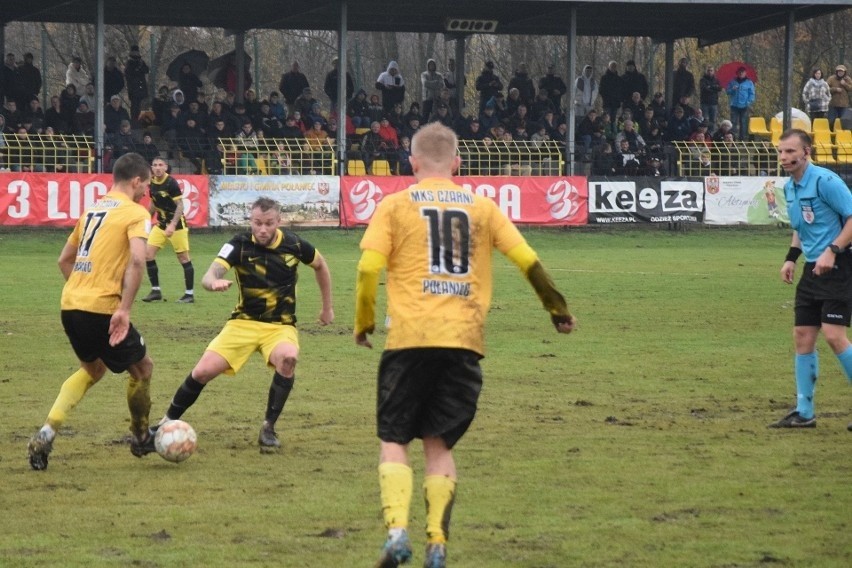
(612, 197)
(365, 196)
(564, 200)
(712, 185)
(323, 188)
(190, 198)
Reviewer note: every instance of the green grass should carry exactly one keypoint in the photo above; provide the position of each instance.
(640, 440)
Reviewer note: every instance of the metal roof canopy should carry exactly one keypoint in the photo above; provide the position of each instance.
(710, 21)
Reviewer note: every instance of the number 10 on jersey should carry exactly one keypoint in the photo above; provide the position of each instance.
(449, 240)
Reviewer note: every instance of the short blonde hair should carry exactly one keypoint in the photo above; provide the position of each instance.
(435, 144)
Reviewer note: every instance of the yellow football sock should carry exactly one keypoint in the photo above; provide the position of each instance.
(139, 403)
(440, 493)
(396, 481)
(72, 392)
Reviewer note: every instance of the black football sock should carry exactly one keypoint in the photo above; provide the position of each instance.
(153, 273)
(188, 275)
(185, 396)
(279, 390)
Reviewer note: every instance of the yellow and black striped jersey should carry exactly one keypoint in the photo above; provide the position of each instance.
(165, 194)
(266, 276)
(438, 239)
(102, 238)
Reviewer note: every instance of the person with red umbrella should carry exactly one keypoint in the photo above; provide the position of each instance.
(741, 95)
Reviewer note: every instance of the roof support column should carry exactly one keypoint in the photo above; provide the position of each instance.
(787, 79)
(99, 88)
(342, 66)
(240, 54)
(460, 67)
(668, 79)
(572, 79)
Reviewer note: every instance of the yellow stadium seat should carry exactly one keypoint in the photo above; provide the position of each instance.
(820, 124)
(381, 168)
(843, 137)
(355, 168)
(757, 127)
(824, 154)
(361, 131)
(838, 125)
(261, 165)
(775, 125)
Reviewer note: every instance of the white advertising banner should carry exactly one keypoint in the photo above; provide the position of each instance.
(304, 200)
(745, 200)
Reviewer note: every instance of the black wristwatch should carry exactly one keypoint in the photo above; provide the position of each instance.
(835, 249)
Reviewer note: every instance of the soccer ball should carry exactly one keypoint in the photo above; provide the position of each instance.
(175, 440)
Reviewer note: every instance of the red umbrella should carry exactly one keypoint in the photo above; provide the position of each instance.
(725, 73)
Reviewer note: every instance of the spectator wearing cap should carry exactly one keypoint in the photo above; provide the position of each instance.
(684, 82)
(330, 84)
(741, 95)
(114, 113)
(585, 91)
(678, 128)
(654, 167)
(633, 82)
(76, 75)
(136, 75)
(839, 85)
(488, 118)
(658, 103)
(521, 80)
(488, 84)
(305, 102)
(147, 149)
(553, 86)
(121, 141)
(442, 115)
(113, 79)
(611, 89)
(84, 120)
(276, 107)
(27, 82)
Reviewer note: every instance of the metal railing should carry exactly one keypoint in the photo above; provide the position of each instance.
(47, 153)
(511, 158)
(277, 156)
(744, 158)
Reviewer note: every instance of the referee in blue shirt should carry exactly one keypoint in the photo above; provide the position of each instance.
(819, 206)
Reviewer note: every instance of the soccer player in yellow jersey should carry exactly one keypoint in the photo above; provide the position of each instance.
(167, 203)
(102, 263)
(436, 240)
(265, 262)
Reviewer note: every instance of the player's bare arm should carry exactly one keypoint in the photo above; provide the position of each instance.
(119, 323)
(66, 260)
(323, 276)
(214, 280)
(170, 228)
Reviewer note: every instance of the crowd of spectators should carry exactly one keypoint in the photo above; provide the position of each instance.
(620, 127)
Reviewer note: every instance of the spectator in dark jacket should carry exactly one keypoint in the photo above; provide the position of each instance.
(553, 86)
(114, 113)
(488, 84)
(633, 82)
(710, 89)
(135, 73)
(610, 91)
(521, 81)
(113, 80)
(292, 84)
(330, 85)
(684, 81)
(27, 82)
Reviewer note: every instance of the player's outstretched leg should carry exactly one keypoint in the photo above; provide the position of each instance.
(279, 391)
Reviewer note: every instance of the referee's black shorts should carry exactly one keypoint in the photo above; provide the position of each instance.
(429, 391)
(89, 336)
(826, 298)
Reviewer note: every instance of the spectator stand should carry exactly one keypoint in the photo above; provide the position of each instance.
(66, 153)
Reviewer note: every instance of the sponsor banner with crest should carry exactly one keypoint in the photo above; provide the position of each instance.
(58, 200)
(305, 200)
(745, 200)
(645, 200)
(525, 200)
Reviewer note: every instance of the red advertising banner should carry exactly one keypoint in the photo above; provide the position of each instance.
(58, 200)
(527, 200)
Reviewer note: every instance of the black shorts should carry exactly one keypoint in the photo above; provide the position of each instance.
(826, 298)
(89, 336)
(427, 392)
